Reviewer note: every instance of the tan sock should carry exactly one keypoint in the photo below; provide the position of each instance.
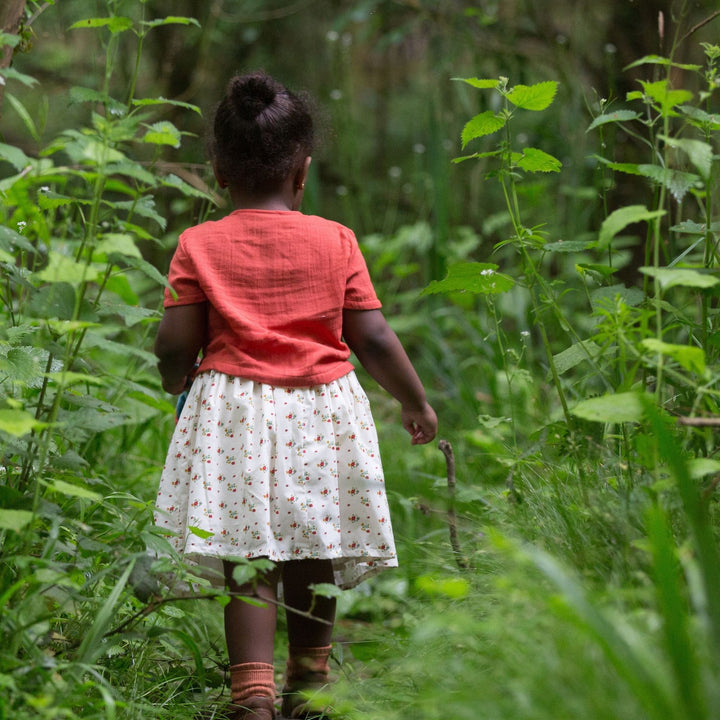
(254, 679)
(308, 662)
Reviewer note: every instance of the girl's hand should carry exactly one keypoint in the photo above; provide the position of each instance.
(420, 423)
(175, 387)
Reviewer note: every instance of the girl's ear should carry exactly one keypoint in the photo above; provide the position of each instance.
(302, 173)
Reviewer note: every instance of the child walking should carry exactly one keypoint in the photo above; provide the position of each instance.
(275, 453)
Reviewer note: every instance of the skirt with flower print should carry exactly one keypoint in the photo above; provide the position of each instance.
(255, 470)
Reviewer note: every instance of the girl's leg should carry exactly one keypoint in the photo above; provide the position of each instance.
(250, 630)
(297, 576)
(308, 669)
(250, 635)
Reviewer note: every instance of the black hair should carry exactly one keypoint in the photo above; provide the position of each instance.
(261, 134)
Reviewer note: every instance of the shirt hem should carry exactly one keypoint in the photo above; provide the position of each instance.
(324, 378)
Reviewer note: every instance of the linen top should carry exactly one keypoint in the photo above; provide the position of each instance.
(276, 284)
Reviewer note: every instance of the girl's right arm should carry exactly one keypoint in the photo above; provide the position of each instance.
(180, 337)
(379, 351)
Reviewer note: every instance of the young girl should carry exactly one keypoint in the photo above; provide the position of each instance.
(275, 453)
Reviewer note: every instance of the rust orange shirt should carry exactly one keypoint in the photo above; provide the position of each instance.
(276, 284)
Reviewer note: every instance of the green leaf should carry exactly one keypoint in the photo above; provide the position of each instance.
(574, 355)
(147, 269)
(9, 40)
(684, 277)
(691, 358)
(142, 102)
(19, 364)
(492, 153)
(199, 532)
(68, 378)
(24, 115)
(477, 278)
(61, 268)
(628, 168)
(613, 117)
(18, 422)
(677, 617)
(66, 488)
(145, 207)
(117, 244)
(699, 467)
(676, 181)
(9, 73)
(173, 181)
(162, 133)
(15, 156)
(170, 20)
(569, 246)
(605, 271)
(699, 153)
(483, 124)
(534, 160)
(704, 119)
(453, 587)
(658, 60)
(113, 24)
(533, 97)
(480, 83)
(622, 217)
(15, 520)
(326, 590)
(612, 408)
(664, 96)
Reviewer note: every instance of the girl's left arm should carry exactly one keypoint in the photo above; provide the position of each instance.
(180, 338)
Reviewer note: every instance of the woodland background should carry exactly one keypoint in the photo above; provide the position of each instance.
(557, 291)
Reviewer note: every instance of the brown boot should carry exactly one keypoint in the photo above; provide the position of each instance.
(308, 672)
(252, 688)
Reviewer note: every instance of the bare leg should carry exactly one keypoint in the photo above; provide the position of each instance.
(297, 575)
(250, 630)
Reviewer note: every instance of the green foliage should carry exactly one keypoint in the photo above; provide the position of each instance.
(572, 334)
(78, 397)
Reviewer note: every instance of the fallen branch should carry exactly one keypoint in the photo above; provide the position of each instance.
(446, 449)
(699, 421)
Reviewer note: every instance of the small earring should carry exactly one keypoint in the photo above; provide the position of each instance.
(301, 186)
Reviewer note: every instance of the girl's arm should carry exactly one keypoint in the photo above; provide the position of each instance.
(180, 337)
(379, 351)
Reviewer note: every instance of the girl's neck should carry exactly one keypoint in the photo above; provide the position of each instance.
(244, 202)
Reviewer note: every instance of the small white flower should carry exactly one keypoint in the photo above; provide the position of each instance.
(341, 190)
(418, 148)
(21, 226)
(395, 171)
(487, 271)
(45, 189)
(525, 333)
(336, 94)
(332, 36)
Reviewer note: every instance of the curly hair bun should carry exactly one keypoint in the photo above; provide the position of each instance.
(251, 94)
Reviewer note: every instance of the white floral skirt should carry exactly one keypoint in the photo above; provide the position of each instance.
(255, 470)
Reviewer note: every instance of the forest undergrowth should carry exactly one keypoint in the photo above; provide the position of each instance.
(569, 567)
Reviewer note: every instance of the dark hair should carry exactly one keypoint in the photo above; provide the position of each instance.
(261, 133)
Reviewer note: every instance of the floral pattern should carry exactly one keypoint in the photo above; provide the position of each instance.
(255, 470)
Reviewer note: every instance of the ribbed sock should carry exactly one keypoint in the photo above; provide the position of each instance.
(253, 679)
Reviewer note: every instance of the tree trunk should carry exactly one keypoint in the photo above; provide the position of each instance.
(11, 12)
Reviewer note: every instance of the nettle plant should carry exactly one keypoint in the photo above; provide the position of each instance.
(71, 271)
(657, 336)
(78, 389)
(652, 349)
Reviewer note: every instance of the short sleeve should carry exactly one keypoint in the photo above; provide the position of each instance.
(359, 291)
(183, 279)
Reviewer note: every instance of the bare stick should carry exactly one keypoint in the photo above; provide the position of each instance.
(699, 421)
(446, 449)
